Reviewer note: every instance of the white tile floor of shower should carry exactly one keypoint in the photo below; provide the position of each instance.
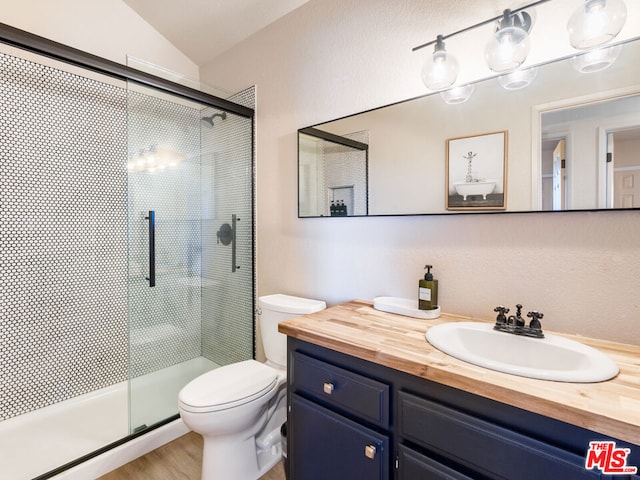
(37, 442)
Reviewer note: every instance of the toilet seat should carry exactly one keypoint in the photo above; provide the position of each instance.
(228, 387)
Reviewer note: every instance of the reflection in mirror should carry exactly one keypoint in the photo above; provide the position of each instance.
(332, 174)
(625, 163)
(407, 148)
(590, 155)
(476, 168)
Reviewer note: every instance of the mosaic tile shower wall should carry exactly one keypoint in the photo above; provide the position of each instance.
(63, 250)
(227, 296)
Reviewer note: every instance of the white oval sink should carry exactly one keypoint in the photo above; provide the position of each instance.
(550, 358)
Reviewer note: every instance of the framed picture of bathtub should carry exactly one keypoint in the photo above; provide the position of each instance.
(476, 173)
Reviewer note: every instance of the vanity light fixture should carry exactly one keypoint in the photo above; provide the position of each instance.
(509, 46)
(518, 79)
(458, 94)
(441, 69)
(596, 22)
(593, 24)
(596, 60)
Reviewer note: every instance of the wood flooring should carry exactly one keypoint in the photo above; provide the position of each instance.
(177, 460)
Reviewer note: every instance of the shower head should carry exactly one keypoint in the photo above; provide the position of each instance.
(208, 121)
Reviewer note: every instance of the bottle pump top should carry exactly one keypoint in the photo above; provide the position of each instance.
(428, 276)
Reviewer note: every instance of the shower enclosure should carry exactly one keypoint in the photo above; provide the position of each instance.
(127, 249)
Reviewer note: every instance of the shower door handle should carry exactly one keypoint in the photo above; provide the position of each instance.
(227, 235)
(234, 221)
(152, 248)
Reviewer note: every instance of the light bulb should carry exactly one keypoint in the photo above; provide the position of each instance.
(596, 22)
(518, 79)
(441, 69)
(509, 47)
(459, 94)
(596, 60)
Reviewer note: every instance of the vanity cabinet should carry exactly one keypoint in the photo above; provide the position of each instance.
(339, 422)
(353, 419)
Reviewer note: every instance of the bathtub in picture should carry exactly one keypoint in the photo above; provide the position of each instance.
(474, 188)
(485, 195)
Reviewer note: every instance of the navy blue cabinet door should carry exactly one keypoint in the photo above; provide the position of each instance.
(414, 466)
(325, 445)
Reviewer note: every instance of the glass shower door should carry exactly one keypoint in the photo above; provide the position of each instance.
(190, 247)
(164, 216)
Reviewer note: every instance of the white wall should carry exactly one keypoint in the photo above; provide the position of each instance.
(107, 28)
(336, 57)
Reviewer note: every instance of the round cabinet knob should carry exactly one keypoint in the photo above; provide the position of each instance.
(370, 451)
(328, 388)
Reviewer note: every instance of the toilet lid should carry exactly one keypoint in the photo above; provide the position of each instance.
(228, 386)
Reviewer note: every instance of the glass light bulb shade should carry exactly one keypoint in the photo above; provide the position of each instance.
(507, 49)
(596, 60)
(518, 79)
(458, 94)
(596, 22)
(440, 70)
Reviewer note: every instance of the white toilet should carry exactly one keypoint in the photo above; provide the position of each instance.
(240, 408)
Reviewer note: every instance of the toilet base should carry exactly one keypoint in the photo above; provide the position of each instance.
(238, 459)
(269, 458)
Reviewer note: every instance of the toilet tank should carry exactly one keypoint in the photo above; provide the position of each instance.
(275, 309)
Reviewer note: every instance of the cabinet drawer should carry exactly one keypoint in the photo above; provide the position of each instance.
(341, 389)
(415, 466)
(482, 446)
(326, 445)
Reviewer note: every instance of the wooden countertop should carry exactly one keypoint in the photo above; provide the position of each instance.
(357, 329)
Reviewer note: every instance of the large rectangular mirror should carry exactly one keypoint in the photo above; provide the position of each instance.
(572, 143)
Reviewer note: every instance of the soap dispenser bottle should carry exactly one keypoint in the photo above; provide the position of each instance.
(428, 291)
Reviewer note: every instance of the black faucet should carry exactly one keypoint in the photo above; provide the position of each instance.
(516, 324)
(516, 320)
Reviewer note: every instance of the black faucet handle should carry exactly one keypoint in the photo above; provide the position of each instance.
(502, 311)
(535, 320)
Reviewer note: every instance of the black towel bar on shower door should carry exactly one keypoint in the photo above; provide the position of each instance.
(152, 248)
(227, 235)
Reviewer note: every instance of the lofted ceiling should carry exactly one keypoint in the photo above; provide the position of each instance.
(203, 29)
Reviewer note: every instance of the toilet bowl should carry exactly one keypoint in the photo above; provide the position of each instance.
(239, 409)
